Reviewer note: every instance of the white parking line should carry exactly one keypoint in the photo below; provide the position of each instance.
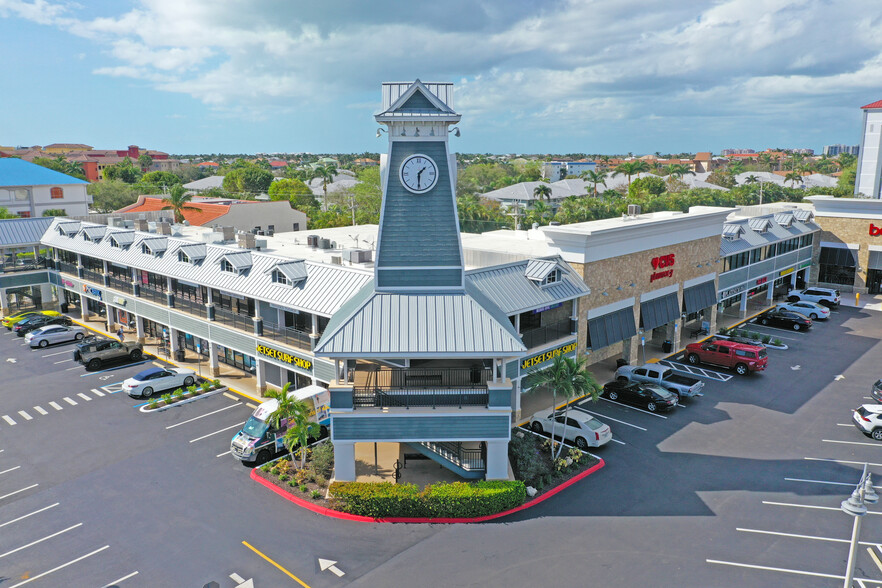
(607, 417)
(69, 401)
(836, 508)
(215, 433)
(17, 491)
(55, 405)
(97, 392)
(83, 396)
(40, 410)
(10, 470)
(851, 442)
(249, 405)
(117, 582)
(783, 570)
(844, 425)
(56, 353)
(823, 482)
(795, 536)
(76, 367)
(8, 419)
(614, 440)
(204, 415)
(25, 415)
(40, 540)
(73, 561)
(30, 514)
(842, 461)
(634, 408)
(224, 453)
(62, 361)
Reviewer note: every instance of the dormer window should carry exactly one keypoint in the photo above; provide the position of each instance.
(288, 273)
(182, 257)
(553, 277)
(226, 266)
(279, 278)
(155, 247)
(145, 250)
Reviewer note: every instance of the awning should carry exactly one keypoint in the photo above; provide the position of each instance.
(659, 311)
(699, 297)
(838, 256)
(611, 328)
(875, 260)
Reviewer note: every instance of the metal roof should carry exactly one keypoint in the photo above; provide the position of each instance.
(774, 229)
(195, 252)
(730, 230)
(293, 270)
(69, 227)
(240, 260)
(18, 172)
(94, 233)
(538, 269)
(123, 238)
(23, 231)
(325, 289)
(759, 224)
(155, 244)
(804, 215)
(513, 292)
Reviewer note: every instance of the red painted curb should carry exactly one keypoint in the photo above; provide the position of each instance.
(362, 519)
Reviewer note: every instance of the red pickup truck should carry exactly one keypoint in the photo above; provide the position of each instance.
(741, 356)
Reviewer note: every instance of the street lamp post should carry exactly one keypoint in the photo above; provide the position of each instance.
(856, 506)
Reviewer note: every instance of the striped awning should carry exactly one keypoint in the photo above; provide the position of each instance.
(659, 311)
(611, 328)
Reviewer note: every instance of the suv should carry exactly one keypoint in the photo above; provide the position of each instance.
(744, 358)
(826, 296)
(92, 355)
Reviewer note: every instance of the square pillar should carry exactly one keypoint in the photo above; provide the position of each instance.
(770, 293)
(84, 309)
(110, 316)
(139, 329)
(344, 461)
(631, 350)
(173, 340)
(673, 332)
(260, 374)
(213, 365)
(712, 319)
(48, 297)
(742, 307)
(497, 459)
(4, 304)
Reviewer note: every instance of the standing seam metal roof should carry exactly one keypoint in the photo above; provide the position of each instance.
(509, 289)
(23, 231)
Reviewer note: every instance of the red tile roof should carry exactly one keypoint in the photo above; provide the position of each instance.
(204, 214)
(207, 163)
(876, 104)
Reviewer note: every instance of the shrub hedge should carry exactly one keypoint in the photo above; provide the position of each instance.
(457, 499)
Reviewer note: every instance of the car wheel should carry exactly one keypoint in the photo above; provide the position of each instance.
(793, 299)
(694, 359)
(613, 395)
(44, 343)
(622, 379)
(813, 316)
(147, 392)
(651, 407)
(135, 354)
(765, 321)
(188, 381)
(323, 431)
(581, 443)
(537, 428)
(78, 337)
(263, 457)
(877, 434)
(94, 364)
(797, 327)
(741, 369)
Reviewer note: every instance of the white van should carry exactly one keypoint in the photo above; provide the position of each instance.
(258, 442)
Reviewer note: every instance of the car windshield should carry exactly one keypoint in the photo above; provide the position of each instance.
(593, 424)
(660, 391)
(255, 427)
(762, 353)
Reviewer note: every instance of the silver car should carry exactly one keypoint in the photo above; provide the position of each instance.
(51, 334)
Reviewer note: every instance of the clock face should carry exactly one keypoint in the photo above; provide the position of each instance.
(418, 173)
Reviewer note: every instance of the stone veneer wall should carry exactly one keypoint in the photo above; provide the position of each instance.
(847, 230)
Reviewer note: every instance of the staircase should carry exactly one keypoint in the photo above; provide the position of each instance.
(467, 462)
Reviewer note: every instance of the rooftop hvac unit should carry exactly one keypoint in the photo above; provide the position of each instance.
(324, 243)
(358, 255)
(337, 260)
(270, 232)
(312, 240)
(633, 210)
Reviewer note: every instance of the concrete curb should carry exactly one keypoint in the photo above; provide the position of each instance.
(362, 519)
(145, 409)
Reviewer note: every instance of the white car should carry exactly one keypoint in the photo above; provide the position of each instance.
(50, 334)
(582, 429)
(813, 310)
(826, 296)
(158, 379)
(868, 418)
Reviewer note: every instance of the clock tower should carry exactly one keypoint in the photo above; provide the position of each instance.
(418, 246)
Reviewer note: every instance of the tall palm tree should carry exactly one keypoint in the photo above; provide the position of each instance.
(595, 177)
(177, 202)
(736, 167)
(631, 168)
(568, 377)
(794, 177)
(326, 173)
(540, 211)
(542, 191)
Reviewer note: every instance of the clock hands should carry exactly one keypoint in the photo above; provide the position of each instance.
(419, 173)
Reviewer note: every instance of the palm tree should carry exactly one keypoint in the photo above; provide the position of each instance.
(678, 170)
(300, 428)
(326, 173)
(540, 211)
(542, 191)
(751, 179)
(569, 377)
(595, 177)
(177, 202)
(736, 167)
(284, 410)
(630, 168)
(793, 177)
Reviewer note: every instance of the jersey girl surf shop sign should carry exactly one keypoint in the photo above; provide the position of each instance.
(284, 357)
(548, 355)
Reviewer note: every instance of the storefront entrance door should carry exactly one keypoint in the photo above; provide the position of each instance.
(874, 281)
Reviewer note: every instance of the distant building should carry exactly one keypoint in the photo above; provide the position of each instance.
(803, 151)
(577, 168)
(93, 161)
(63, 148)
(208, 183)
(869, 170)
(244, 215)
(28, 189)
(554, 171)
(834, 150)
(726, 152)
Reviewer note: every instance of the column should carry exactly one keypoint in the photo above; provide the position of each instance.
(673, 332)
(344, 461)
(516, 390)
(173, 340)
(169, 293)
(260, 374)
(497, 459)
(209, 307)
(136, 285)
(517, 325)
(139, 329)
(313, 334)
(213, 365)
(4, 303)
(110, 316)
(84, 308)
(742, 307)
(770, 292)
(713, 318)
(793, 279)
(48, 297)
(631, 350)
(106, 273)
(258, 321)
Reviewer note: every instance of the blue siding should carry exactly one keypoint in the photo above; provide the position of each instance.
(323, 370)
(424, 428)
(732, 278)
(19, 280)
(393, 278)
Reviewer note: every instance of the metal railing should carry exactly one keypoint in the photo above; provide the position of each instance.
(67, 267)
(231, 319)
(471, 459)
(543, 335)
(372, 397)
(287, 335)
(154, 295)
(93, 276)
(23, 265)
(120, 284)
(422, 378)
(191, 307)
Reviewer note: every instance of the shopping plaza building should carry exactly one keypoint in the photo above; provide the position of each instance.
(423, 335)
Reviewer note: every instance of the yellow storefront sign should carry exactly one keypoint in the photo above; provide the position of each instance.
(284, 357)
(548, 355)
(785, 272)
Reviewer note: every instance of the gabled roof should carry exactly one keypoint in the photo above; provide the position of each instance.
(196, 213)
(417, 102)
(18, 172)
(94, 233)
(23, 231)
(784, 218)
(759, 224)
(122, 239)
(68, 228)
(155, 244)
(195, 252)
(732, 231)
(803, 215)
(538, 269)
(293, 270)
(876, 104)
(240, 260)
(508, 288)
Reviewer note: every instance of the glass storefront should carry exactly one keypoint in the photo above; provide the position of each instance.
(837, 266)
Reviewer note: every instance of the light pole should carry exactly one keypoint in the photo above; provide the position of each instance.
(856, 506)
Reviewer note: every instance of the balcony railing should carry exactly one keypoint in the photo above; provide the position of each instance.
(542, 335)
(369, 396)
(120, 284)
(191, 307)
(423, 378)
(471, 459)
(287, 335)
(151, 294)
(422, 387)
(93, 276)
(67, 267)
(23, 265)
(231, 319)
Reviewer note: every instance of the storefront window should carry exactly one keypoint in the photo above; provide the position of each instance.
(836, 266)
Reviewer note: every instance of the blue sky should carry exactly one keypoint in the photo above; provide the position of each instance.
(200, 76)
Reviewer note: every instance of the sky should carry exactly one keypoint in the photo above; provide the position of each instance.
(531, 76)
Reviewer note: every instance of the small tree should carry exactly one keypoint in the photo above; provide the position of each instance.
(542, 191)
(177, 202)
(300, 428)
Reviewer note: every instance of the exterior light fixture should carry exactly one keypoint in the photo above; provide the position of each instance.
(455, 131)
(380, 131)
(605, 293)
(632, 284)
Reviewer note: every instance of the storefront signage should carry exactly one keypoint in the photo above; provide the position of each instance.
(659, 262)
(805, 264)
(92, 291)
(875, 231)
(785, 272)
(544, 308)
(68, 284)
(732, 292)
(285, 357)
(548, 355)
(762, 281)
(119, 300)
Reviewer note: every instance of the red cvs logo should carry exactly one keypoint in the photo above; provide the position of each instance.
(668, 260)
(875, 231)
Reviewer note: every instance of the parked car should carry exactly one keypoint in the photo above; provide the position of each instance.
(868, 419)
(50, 334)
(578, 427)
(10, 321)
(876, 391)
(93, 355)
(741, 357)
(158, 379)
(826, 296)
(786, 319)
(663, 376)
(813, 310)
(24, 327)
(651, 397)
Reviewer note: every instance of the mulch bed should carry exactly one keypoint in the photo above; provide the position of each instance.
(295, 490)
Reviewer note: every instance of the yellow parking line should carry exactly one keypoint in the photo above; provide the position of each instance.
(290, 575)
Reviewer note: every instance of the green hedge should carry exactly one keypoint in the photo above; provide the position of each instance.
(457, 499)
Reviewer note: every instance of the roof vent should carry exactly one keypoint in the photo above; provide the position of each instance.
(163, 228)
(142, 225)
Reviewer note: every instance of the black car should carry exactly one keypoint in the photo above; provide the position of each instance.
(876, 392)
(652, 398)
(24, 327)
(787, 319)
